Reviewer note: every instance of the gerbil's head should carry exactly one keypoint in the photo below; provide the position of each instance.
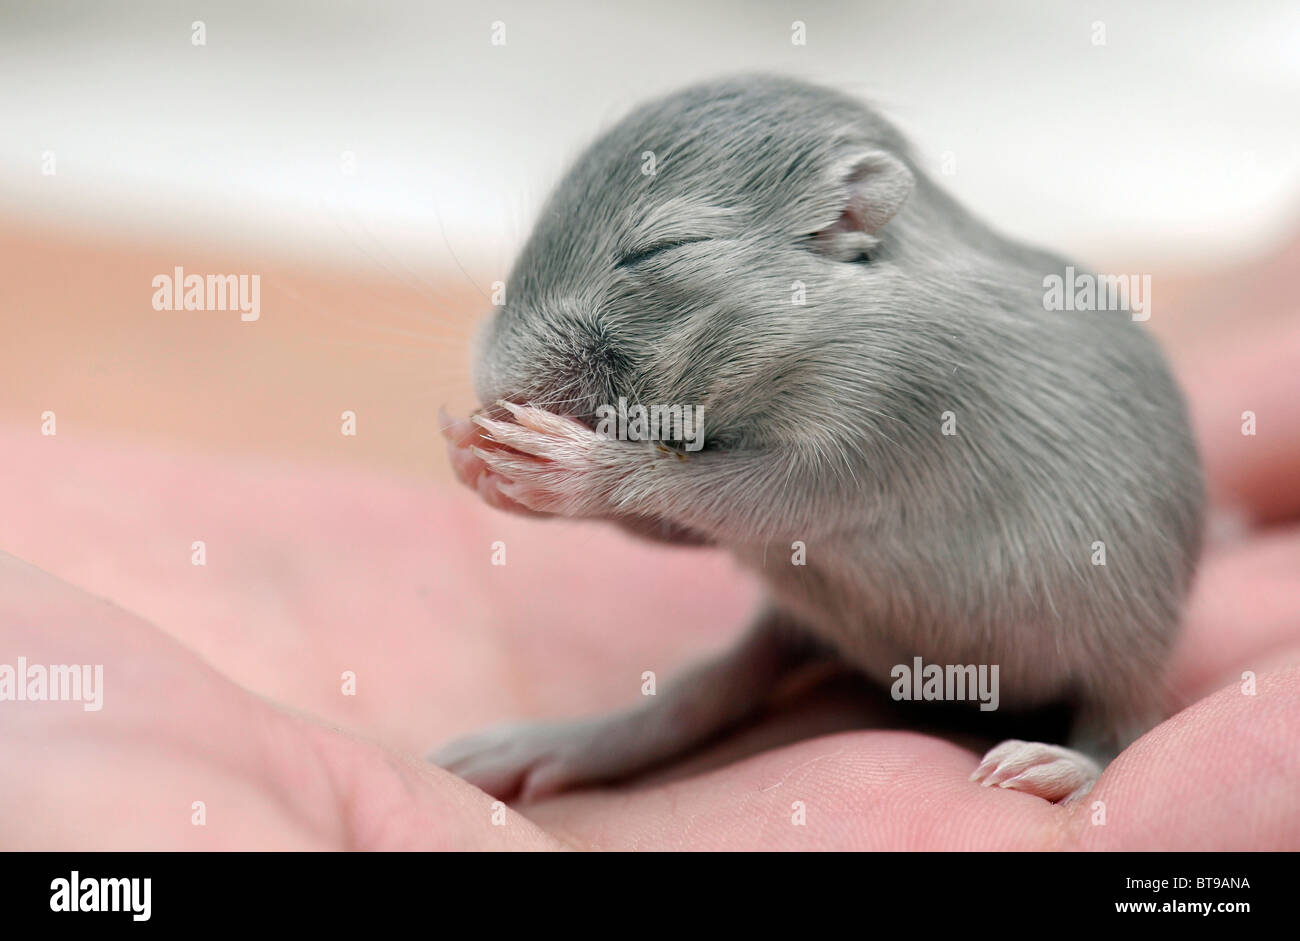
(712, 249)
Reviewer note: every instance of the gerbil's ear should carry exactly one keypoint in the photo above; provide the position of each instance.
(873, 186)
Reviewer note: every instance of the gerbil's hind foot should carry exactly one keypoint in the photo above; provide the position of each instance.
(533, 760)
(1048, 771)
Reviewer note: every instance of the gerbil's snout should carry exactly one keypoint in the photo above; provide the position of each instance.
(564, 362)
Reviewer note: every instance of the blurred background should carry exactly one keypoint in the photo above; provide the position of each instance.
(379, 163)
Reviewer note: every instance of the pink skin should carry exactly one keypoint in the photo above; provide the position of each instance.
(314, 571)
(1222, 774)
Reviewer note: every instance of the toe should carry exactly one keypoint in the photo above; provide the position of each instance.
(1047, 771)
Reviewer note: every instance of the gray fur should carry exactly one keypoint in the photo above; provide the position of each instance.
(823, 421)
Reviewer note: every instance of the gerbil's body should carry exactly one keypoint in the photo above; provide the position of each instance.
(880, 380)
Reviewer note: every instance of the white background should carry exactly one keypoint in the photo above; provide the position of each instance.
(1178, 141)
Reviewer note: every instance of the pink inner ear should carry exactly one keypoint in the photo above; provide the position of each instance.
(877, 186)
(846, 238)
(852, 219)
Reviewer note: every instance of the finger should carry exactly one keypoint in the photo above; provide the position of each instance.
(1242, 613)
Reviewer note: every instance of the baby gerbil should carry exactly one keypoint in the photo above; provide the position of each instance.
(976, 478)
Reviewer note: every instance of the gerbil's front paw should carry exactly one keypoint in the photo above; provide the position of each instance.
(463, 437)
(1047, 771)
(549, 463)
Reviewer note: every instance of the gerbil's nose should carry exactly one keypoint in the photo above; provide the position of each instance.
(564, 362)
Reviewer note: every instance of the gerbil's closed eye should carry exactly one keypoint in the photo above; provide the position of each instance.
(860, 251)
(640, 255)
